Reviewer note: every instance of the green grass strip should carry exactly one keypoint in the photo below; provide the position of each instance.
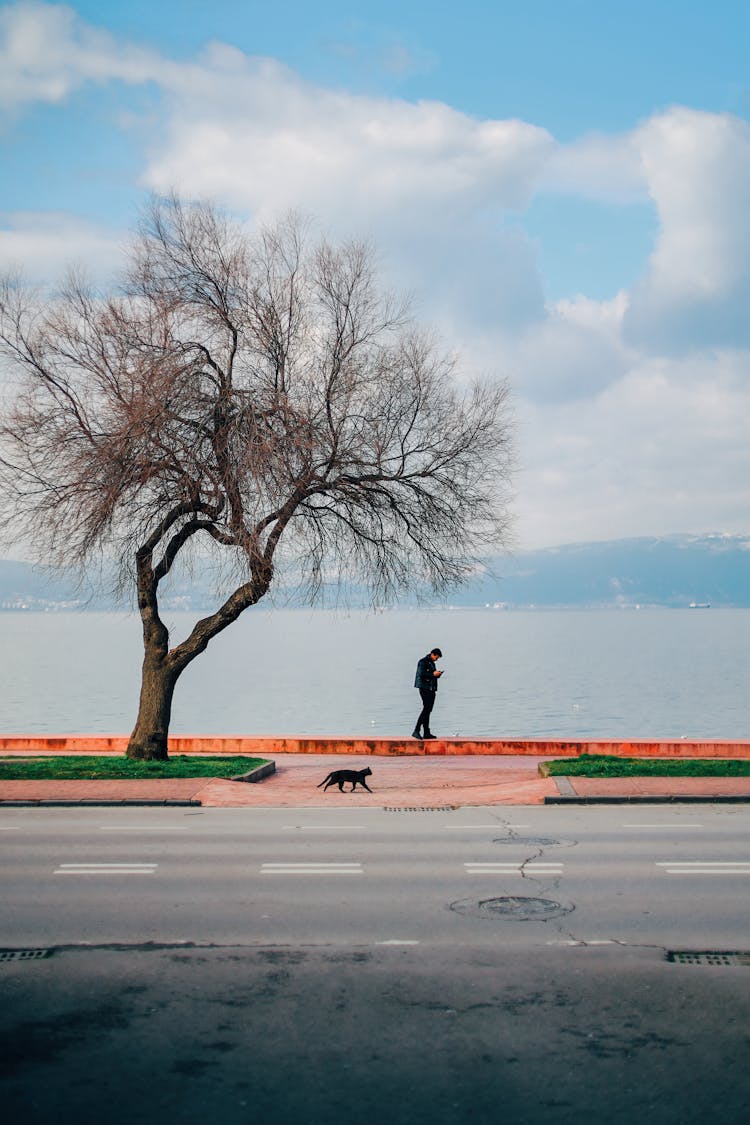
(95, 768)
(604, 765)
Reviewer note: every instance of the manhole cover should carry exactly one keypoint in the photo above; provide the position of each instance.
(534, 841)
(707, 957)
(517, 908)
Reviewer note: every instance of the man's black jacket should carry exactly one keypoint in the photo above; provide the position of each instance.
(425, 677)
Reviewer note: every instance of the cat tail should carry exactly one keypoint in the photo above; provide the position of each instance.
(325, 779)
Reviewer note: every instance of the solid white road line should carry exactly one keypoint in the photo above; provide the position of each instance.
(671, 827)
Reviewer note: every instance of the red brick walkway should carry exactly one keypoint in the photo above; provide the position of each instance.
(401, 782)
(396, 782)
(158, 789)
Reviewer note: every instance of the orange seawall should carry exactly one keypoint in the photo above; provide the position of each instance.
(263, 747)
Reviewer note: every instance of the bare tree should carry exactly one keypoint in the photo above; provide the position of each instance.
(254, 394)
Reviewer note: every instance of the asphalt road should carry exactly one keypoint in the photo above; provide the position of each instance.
(347, 966)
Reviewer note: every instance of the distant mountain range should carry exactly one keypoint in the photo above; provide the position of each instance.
(677, 571)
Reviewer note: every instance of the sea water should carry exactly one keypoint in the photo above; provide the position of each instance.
(508, 674)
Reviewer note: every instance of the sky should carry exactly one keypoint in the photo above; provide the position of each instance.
(562, 187)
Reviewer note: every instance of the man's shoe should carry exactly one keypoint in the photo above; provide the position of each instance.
(430, 735)
(416, 734)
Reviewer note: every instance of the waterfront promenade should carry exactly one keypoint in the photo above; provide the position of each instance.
(398, 781)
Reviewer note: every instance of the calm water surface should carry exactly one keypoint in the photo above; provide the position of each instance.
(516, 674)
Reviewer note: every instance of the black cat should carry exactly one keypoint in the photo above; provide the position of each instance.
(338, 777)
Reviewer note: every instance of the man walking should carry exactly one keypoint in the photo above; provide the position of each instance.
(426, 680)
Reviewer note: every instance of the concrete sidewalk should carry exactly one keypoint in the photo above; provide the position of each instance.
(399, 783)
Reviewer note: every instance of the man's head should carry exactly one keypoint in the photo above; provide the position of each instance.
(435, 653)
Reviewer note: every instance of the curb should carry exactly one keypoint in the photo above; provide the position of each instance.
(96, 803)
(254, 775)
(650, 799)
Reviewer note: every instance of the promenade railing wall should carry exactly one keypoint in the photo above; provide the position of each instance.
(265, 746)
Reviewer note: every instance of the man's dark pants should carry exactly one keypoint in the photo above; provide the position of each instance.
(428, 702)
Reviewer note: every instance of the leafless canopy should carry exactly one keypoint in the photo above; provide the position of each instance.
(244, 390)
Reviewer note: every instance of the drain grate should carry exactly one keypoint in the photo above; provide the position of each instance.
(707, 957)
(420, 808)
(23, 954)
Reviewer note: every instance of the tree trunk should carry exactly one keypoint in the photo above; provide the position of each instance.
(162, 668)
(149, 737)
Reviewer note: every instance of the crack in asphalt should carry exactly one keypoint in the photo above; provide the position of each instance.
(546, 885)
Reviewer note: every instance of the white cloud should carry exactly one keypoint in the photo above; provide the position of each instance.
(616, 437)
(430, 186)
(599, 167)
(663, 449)
(256, 135)
(574, 353)
(47, 51)
(696, 291)
(44, 244)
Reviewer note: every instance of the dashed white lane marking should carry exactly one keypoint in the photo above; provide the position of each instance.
(496, 827)
(397, 941)
(705, 867)
(323, 828)
(586, 941)
(143, 828)
(670, 827)
(9, 827)
(106, 869)
(703, 863)
(311, 869)
(513, 868)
